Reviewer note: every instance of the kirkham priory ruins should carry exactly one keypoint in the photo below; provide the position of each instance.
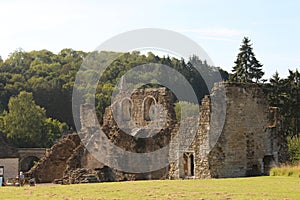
(249, 143)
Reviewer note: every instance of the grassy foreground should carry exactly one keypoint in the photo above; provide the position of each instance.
(238, 188)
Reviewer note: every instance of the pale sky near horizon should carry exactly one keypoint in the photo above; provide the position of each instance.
(217, 26)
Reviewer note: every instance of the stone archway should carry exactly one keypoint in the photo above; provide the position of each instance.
(269, 162)
(27, 157)
(27, 163)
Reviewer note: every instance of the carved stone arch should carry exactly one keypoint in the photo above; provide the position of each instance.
(126, 109)
(147, 111)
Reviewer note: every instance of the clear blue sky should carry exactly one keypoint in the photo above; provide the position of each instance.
(217, 26)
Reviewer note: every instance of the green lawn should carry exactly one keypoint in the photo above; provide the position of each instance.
(238, 188)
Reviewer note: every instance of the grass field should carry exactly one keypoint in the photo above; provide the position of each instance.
(275, 187)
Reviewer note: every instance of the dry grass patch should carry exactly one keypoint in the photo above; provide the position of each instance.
(286, 170)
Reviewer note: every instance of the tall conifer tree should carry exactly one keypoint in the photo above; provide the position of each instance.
(247, 67)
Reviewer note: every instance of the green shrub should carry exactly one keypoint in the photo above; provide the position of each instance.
(190, 109)
(294, 148)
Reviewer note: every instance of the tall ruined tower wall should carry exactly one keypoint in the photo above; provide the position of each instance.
(246, 141)
(248, 144)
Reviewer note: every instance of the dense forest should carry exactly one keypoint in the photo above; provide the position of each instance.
(46, 79)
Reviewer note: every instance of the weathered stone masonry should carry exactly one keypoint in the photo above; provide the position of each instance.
(249, 143)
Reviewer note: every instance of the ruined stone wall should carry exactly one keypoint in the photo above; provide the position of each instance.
(53, 165)
(69, 156)
(248, 144)
(198, 147)
(147, 113)
(132, 110)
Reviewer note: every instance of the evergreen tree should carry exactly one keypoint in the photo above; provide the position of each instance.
(292, 106)
(275, 90)
(247, 67)
(285, 94)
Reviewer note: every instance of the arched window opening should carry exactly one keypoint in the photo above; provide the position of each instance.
(148, 108)
(126, 108)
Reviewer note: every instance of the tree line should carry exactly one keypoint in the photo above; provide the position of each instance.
(42, 82)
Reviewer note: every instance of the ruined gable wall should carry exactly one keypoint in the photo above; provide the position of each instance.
(138, 105)
(248, 144)
(125, 137)
(246, 137)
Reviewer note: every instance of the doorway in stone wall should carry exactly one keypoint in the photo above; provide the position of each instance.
(268, 162)
(188, 164)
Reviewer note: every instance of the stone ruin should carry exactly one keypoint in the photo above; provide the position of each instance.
(249, 142)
